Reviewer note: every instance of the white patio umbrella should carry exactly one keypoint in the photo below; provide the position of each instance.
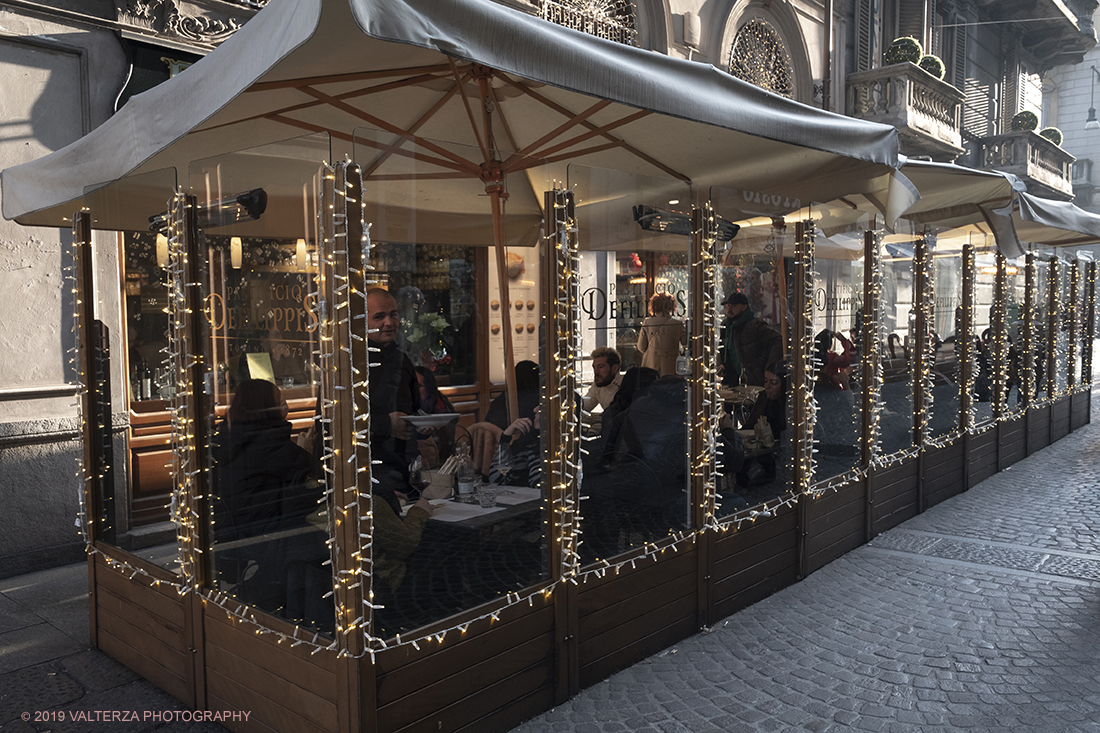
(455, 100)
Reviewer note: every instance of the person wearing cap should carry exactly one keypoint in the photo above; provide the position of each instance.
(749, 344)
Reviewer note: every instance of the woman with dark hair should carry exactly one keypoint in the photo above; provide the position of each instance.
(260, 474)
(262, 484)
(771, 404)
(527, 395)
(434, 445)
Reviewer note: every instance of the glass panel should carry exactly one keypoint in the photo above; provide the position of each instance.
(1014, 321)
(898, 311)
(1061, 335)
(837, 325)
(139, 518)
(446, 323)
(1081, 267)
(984, 317)
(757, 275)
(258, 243)
(1040, 328)
(635, 233)
(947, 279)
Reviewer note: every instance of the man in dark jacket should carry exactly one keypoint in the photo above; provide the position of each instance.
(749, 344)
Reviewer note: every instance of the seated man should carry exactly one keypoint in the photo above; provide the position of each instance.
(605, 383)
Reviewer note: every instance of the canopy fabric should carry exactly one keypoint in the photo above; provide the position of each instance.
(426, 93)
(1054, 223)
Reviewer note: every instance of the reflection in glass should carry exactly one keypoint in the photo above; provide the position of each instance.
(947, 280)
(268, 524)
(984, 318)
(896, 417)
(635, 289)
(1040, 330)
(150, 386)
(1060, 335)
(1014, 323)
(838, 390)
(445, 328)
(755, 283)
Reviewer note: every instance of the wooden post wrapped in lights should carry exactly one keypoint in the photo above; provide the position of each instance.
(803, 405)
(1000, 338)
(1072, 319)
(563, 346)
(706, 405)
(1055, 347)
(964, 340)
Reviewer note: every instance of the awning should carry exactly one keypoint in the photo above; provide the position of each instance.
(427, 73)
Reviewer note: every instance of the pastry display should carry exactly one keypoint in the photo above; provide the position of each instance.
(495, 305)
(515, 265)
(495, 328)
(530, 328)
(519, 305)
(519, 328)
(530, 305)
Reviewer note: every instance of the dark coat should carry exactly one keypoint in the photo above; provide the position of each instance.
(262, 480)
(758, 346)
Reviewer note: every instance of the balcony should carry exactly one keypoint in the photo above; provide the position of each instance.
(1045, 167)
(924, 109)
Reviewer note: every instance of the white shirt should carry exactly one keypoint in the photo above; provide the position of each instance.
(602, 396)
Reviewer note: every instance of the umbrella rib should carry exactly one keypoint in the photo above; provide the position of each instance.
(587, 136)
(503, 119)
(591, 126)
(416, 126)
(369, 143)
(469, 111)
(572, 122)
(336, 78)
(317, 103)
(367, 117)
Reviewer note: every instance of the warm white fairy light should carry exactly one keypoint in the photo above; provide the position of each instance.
(706, 349)
(804, 404)
(343, 379)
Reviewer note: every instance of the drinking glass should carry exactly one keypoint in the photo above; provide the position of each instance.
(504, 462)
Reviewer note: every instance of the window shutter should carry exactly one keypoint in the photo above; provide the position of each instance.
(912, 16)
(864, 34)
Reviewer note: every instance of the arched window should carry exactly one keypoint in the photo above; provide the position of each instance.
(760, 57)
(610, 19)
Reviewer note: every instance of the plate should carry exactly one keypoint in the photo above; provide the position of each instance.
(431, 421)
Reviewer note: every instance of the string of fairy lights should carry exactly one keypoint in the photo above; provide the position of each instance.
(706, 347)
(345, 277)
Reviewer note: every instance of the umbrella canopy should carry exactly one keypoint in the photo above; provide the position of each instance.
(445, 98)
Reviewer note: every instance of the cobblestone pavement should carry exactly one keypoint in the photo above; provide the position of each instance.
(982, 614)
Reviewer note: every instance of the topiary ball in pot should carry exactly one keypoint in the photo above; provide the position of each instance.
(903, 49)
(932, 65)
(1053, 134)
(1023, 121)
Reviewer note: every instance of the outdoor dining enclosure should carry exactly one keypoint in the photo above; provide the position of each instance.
(520, 217)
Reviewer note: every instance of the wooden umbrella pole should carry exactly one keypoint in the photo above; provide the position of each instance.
(496, 192)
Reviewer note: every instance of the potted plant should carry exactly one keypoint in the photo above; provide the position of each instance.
(932, 64)
(1025, 121)
(1053, 134)
(903, 49)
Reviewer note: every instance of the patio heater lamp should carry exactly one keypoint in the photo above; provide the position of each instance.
(1091, 123)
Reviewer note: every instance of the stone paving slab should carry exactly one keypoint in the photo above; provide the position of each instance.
(979, 615)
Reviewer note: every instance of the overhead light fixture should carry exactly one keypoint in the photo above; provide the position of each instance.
(241, 207)
(1091, 123)
(235, 253)
(162, 251)
(652, 219)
